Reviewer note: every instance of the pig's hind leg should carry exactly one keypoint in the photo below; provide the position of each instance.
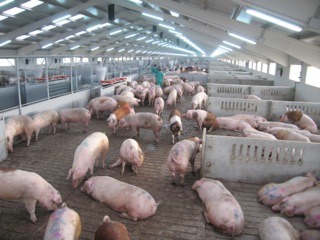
(127, 216)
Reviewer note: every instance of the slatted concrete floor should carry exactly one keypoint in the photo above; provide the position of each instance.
(179, 216)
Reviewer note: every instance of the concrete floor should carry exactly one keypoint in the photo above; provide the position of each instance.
(179, 216)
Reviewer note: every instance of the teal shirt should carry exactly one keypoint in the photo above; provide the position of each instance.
(159, 78)
(153, 69)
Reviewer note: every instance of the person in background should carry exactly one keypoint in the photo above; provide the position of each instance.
(159, 77)
(154, 68)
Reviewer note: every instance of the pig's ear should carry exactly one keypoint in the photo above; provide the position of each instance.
(56, 197)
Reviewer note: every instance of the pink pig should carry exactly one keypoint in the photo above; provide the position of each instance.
(151, 95)
(133, 202)
(172, 98)
(105, 104)
(31, 188)
(300, 119)
(87, 154)
(278, 228)
(75, 115)
(199, 99)
(312, 217)
(159, 92)
(158, 106)
(310, 235)
(232, 124)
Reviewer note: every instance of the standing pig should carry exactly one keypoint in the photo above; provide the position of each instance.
(301, 120)
(299, 203)
(133, 202)
(75, 115)
(18, 125)
(172, 98)
(106, 104)
(277, 228)
(182, 153)
(200, 89)
(159, 105)
(143, 120)
(152, 95)
(111, 230)
(46, 118)
(272, 193)
(312, 217)
(188, 89)
(159, 92)
(90, 103)
(222, 209)
(198, 99)
(127, 93)
(130, 153)
(31, 188)
(310, 235)
(63, 224)
(86, 155)
(122, 109)
(142, 95)
(203, 119)
(175, 124)
(131, 101)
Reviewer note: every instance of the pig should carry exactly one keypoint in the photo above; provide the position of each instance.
(252, 97)
(198, 99)
(119, 89)
(232, 124)
(278, 228)
(175, 124)
(312, 137)
(142, 95)
(143, 120)
(299, 203)
(133, 202)
(200, 89)
(64, 223)
(90, 103)
(45, 118)
(105, 104)
(159, 92)
(203, 118)
(111, 230)
(166, 82)
(172, 98)
(189, 90)
(301, 120)
(75, 115)
(86, 155)
(222, 209)
(263, 126)
(182, 153)
(130, 153)
(133, 84)
(127, 94)
(312, 217)
(152, 95)
(253, 133)
(127, 88)
(146, 84)
(158, 106)
(272, 193)
(138, 88)
(18, 125)
(274, 130)
(253, 120)
(310, 235)
(131, 101)
(31, 188)
(195, 84)
(122, 109)
(287, 134)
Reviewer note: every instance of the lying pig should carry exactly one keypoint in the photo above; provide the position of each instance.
(133, 202)
(143, 120)
(287, 134)
(299, 203)
(253, 133)
(172, 98)
(111, 230)
(130, 153)
(203, 118)
(310, 235)
(158, 106)
(31, 188)
(175, 124)
(152, 95)
(232, 124)
(179, 156)
(252, 97)
(272, 193)
(63, 223)
(122, 109)
(264, 126)
(18, 125)
(300, 119)
(75, 115)
(45, 118)
(278, 228)
(198, 99)
(222, 209)
(105, 104)
(253, 120)
(312, 217)
(86, 155)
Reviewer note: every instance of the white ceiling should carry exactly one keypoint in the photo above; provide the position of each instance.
(204, 22)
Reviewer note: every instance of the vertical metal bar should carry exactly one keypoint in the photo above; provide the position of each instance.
(71, 81)
(19, 91)
(47, 77)
(91, 73)
(77, 85)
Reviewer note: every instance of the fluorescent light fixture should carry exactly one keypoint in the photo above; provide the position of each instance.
(144, 51)
(231, 44)
(105, 24)
(150, 40)
(115, 32)
(75, 47)
(130, 36)
(152, 16)
(76, 17)
(274, 20)
(155, 42)
(5, 2)
(80, 33)
(4, 43)
(139, 28)
(175, 14)
(62, 18)
(22, 37)
(93, 28)
(33, 33)
(14, 11)
(62, 22)
(136, 1)
(71, 36)
(217, 52)
(131, 50)
(110, 49)
(139, 39)
(138, 51)
(94, 49)
(2, 17)
(242, 38)
(48, 45)
(166, 26)
(180, 34)
(223, 47)
(59, 41)
(49, 27)
(121, 50)
(31, 4)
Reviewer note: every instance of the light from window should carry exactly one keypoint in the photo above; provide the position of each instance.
(76, 59)
(41, 61)
(66, 60)
(254, 66)
(272, 68)
(85, 59)
(250, 64)
(295, 71)
(259, 66)
(313, 76)
(9, 62)
(264, 68)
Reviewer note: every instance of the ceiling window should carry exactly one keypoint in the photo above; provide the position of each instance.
(313, 76)
(295, 72)
(272, 68)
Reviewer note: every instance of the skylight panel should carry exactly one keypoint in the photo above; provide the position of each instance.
(76, 17)
(31, 4)
(49, 27)
(5, 2)
(14, 11)
(22, 37)
(62, 22)
(33, 33)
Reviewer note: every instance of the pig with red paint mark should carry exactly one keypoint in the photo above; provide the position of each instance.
(203, 118)
(111, 230)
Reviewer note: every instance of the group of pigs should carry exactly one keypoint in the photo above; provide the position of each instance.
(295, 197)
